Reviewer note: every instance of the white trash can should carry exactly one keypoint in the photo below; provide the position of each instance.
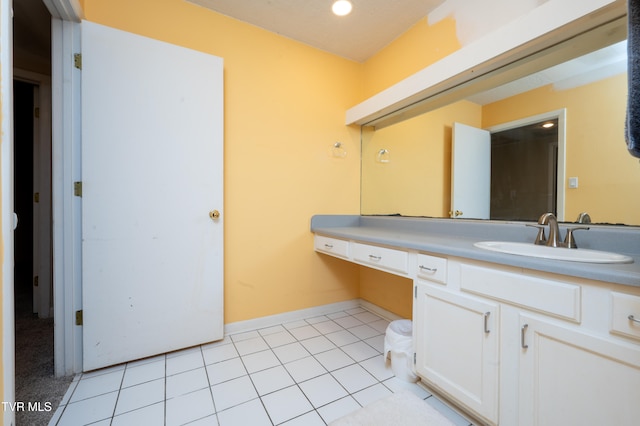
(398, 346)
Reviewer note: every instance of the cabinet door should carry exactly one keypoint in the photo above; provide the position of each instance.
(571, 378)
(457, 347)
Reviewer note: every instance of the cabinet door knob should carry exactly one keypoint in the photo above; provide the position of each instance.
(214, 214)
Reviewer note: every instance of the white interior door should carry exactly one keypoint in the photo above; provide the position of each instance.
(152, 145)
(470, 172)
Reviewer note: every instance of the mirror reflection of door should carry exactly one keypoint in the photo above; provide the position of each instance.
(524, 166)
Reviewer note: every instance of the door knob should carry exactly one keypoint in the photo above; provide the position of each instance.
(455, 214)
(214, 214)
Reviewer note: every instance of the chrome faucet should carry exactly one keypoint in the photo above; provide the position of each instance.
(584, 218)
(554, 230)
(554, 239)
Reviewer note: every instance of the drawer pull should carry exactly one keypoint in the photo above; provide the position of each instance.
(523, 330)
(632, 318)
(426, 268)
(328, 246)
(372, 257)
(486, 320)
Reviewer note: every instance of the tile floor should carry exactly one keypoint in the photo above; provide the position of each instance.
(307, 372)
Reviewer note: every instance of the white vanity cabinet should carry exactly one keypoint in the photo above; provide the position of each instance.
(561, 359)
(568, 376)
(456, 344)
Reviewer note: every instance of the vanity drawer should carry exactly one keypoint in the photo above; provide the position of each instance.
(432, 268)
(623, 305)
(333, 246)
(385, 258)
(548, 296)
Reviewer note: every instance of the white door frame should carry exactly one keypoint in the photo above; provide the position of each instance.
(67, 212)
(6, 156)
(561, 115)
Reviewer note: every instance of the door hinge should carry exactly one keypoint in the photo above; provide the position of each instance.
(35, 281)
(36, 112)
(77, 189)
(79, 317)
(77, 60)
(36, 197)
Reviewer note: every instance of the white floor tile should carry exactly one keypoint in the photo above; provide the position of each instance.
(359, 351)
(318, 319)
(278, 339)
(250, 413)
(380, 325)
(275, 375)
(271, 380)
(363, 331)
(233, 392)
(225, 370)
(305, 332)
(311, 418)
(286, 404)
(334, 359)
(187, 408)
(290, 352)
(317, 344)
(376, 343)
(260, 361)
(341, 338)
(213, 354)
(377, 366)
(89, 410)
(187, 382)
(339, 408)
(139, 396)
(249, 346)
(327, 327)
(322, 390)
(305, 369)
(96, 385)
(367, 317)
(136, 374)
(271, 330)
(354, 378)
(182, 361)
(149, 415)
(348, 321)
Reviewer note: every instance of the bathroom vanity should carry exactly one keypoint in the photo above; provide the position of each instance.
(511, 339)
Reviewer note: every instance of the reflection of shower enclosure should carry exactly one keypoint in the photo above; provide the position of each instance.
(524, 163)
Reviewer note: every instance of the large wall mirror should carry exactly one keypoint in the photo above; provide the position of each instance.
(407, 166)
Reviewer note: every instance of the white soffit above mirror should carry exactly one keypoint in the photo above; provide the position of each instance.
(552, 33)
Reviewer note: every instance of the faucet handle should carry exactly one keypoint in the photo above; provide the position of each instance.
(569, 241)
(541, 239)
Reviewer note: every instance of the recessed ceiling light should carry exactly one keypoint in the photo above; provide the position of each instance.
(341, 7)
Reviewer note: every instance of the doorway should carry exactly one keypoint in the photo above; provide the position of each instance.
(524, 166)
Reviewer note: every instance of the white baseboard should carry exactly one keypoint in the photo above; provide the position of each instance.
(271, 320)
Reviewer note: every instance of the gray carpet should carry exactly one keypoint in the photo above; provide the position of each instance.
(35, 381)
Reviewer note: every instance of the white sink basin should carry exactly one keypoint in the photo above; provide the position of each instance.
(556, 253)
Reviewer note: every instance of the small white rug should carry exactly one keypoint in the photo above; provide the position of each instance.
(400, 409)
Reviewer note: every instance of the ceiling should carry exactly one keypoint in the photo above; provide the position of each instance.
(371, 25)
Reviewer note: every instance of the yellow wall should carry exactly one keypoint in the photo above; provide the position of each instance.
(284, 107)
(595, 148)
(417, 48)
(420, 157)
